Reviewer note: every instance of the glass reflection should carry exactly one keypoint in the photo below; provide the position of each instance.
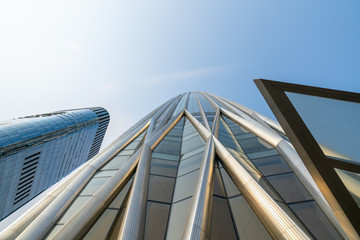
(352, 183)
(333, 123)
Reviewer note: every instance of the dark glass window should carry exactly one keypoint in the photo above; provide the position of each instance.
(218, 184)
(190, 164)
(161, 188)
(247, 224)
(169, 147)
(178, 216)
(156, 220)
(163, 167)
(271, 165)
(221, 226)
(253, 144)
(185, 185)
(313, 218)
(230, 186)
(289, 187)
(192, 144)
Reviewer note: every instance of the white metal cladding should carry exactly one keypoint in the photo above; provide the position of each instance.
(277, 222)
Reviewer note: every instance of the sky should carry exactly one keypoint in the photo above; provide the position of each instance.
(131, 56)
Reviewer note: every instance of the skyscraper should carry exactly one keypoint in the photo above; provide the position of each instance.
(199, 166)
(37, 151)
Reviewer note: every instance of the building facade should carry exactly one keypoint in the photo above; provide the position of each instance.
(37, 151)
(197, 167)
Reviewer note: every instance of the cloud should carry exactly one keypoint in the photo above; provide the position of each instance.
(193, 74)
(75, 46)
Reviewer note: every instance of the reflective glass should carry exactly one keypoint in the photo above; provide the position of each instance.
(289, 187)
(169, 147)
(221, 226)
(271, 165)
(333, 123)
(266, 153)
(119, 199)
(157, 215)
(161, 188)
(192, 153)
(218, 184)
(352, 183)
(190, 164)
(102, 226)
(185, 185)
(247, 224)
(192, 143)
(178, 216)
(94, 185)
(163, 167)
(115, 163)
(107, 173)
(314, 219)
(165, 156)
(230, 186)
(253, 144)
(74, 207)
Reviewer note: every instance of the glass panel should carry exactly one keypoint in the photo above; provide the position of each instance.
(289, 187)
(254, 144)
(221, 226)
(314, 220)
(178, 216)
(165, 156)
(230, 186)
(163, 167)
(170, 147)
(267, 153)
(271, 165)
(352, 183)
(190, 164)
(185, 185)
(74, 207)
(115, 163)
(156, 220)
(247, 224)
(333, 123)
(108, 173)
(94, 185)
(119, 199)
(218, 184)
(192, 144)
(102, 226)
(193, 152)
(161, 188)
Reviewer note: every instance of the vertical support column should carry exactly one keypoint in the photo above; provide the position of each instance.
(196, 225)
(133, 225)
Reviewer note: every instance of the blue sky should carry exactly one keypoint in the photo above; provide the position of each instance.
(131, 56)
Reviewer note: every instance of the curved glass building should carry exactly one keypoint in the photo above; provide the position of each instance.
(197, 167)
(37, 151)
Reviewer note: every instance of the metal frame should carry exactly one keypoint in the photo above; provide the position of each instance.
(320, 166)
(277, 222)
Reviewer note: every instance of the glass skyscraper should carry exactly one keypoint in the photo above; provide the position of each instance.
(197, 167)
(37, 151)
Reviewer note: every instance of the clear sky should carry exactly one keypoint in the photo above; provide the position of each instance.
(131, 56)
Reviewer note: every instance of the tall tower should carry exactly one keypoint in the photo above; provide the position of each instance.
(197, 167)
(37, 151)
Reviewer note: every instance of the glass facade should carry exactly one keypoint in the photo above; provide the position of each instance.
(175, 169)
